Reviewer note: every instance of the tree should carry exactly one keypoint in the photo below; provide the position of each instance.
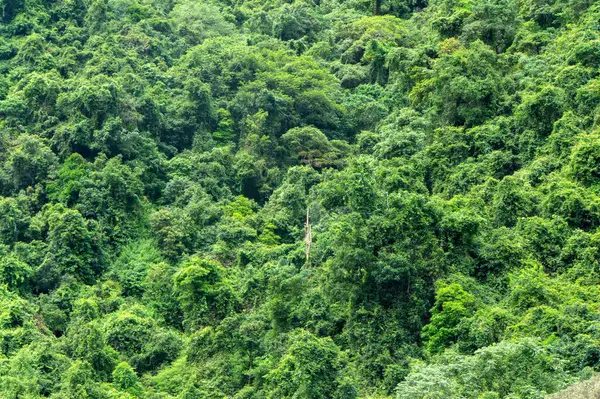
(584, 159)
(521, 368)
(14, 220)
(204, 292)
(126, 380)
(465, 87)
(529, 287)
(29, 162)
(132, 265)
(128, 330)
(160, 295)
(541, 109)
(493, 22)
(88, 344)
(312, 147)
(512, 201)
(75, 246)
(15, 273)
(311, 368)
(452, 306)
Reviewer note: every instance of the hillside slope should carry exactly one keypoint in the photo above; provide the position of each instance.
(298, 198)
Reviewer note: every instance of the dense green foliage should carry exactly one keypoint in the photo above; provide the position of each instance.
(159, 160)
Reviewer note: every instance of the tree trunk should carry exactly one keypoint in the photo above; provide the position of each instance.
(376, 4)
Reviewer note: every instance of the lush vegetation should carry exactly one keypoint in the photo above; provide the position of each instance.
(303, 199)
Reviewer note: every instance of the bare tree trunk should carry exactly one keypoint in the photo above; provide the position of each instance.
(307, 235)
